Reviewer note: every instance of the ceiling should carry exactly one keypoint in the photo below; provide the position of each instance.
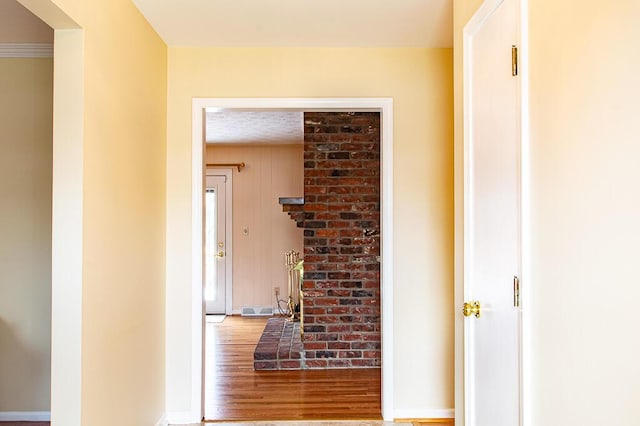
(262, 127)
(300, 23)
(326, 23)
(330, 23)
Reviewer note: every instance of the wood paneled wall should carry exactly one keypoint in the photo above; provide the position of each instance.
(271, 171)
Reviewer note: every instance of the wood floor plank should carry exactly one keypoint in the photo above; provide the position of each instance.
(235, 392)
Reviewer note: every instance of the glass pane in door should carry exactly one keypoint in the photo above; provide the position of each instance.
(211, 264)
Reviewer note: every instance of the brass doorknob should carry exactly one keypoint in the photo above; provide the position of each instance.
(220, 254)
(471, 308)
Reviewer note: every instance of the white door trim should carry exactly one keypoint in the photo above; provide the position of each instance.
(227, 173)
(461, 210)
(385, 106)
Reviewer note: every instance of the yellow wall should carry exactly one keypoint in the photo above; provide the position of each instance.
(26, 126)
(585, 147)
(420, 83)
(123, 214)
(258, 257)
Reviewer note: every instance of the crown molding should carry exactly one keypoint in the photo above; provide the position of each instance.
(26, 50)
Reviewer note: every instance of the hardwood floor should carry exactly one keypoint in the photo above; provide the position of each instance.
(235, 392)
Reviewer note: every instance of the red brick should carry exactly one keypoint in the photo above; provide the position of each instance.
(339, 363)
(364, 155)
(327, 267)
(365, 345)
(340, 189)
(265, 365)
(340, 207)
(308, 284)
(337, 259)
(327, 320)
(365, 172)
(367, 137)
(315, 345)
(339, 328)
(339, 293)
(324, 301)
(316, 363)
(327, 216)
(326, 284)
(366, 310)
(365, 362)
(371, 337)
(315, 207)
(363, 327)
(340, 137)
(364, 190)
(313, 190)
(341, 223)
(316, 173)
(350, 354)
(315, 258)
(365, 276)
(354, 267)
(290, 365)
(352, 338)
(327, 232)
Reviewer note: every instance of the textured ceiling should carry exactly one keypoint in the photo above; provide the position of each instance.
(329, 23)
(264, 127)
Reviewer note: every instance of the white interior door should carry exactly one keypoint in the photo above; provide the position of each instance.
(492, 217)
(216, 250)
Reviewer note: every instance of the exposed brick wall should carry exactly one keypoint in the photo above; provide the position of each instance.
(341, 239)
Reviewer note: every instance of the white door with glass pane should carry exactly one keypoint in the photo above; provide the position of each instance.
(216, 249)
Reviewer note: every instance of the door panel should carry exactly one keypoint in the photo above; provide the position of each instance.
(492, 225)
(215, 245)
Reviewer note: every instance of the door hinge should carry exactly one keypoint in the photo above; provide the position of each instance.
(516, 291)
(514, 60)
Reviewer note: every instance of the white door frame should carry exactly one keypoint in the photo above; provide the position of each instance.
(385, 107)
(461, 211)
(66, 209)
(228, 249)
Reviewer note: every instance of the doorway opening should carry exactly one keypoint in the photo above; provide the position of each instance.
(382, 106)
(26, 246)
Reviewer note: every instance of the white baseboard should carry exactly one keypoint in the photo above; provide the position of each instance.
(181, 418)
(25, 416)
(163, 421)
(239, 312)
(439, 413)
